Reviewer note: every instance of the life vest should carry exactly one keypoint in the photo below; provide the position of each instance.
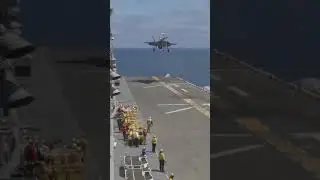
(161, 156)
(154, 140)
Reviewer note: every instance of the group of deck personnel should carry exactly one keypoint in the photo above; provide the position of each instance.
(135, 133)
(50, 160)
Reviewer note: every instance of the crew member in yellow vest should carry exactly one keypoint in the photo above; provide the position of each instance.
(130, 138)
(141, 137)
(154, 143)
(145, 133)
(149, 124)
(162, 159)
(171, 176)
(136, 138)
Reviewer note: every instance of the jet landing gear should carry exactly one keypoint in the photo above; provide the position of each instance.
(168, 50)
(153, 49)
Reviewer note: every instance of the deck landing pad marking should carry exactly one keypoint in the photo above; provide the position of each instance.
(237, 91)
(175, 85)
(173, 104)
(314, 135)
(189, 101)
(178, 110)
(235, 151)
(295, 153)
(152, 86)
(184, 90)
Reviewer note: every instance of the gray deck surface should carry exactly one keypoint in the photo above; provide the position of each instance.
(134, 174)
(184, 135)
(122, 150)
(240, 146)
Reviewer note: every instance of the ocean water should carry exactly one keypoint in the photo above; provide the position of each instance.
(190, 64)
(290, 69)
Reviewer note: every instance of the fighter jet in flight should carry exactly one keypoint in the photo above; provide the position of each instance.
(162, 43)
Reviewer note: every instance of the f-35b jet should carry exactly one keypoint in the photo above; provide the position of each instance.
(162, 43)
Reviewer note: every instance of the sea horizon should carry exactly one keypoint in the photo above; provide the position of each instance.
(159, 49)
(191, 64)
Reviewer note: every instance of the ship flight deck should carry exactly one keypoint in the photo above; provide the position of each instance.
(181, 116)
(262, 127)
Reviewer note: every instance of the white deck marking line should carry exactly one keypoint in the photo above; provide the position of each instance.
(173, 104)
(237, 91)
(152, 86)
(189, 101)
(231, 135)
(179, 83)
(175, 85)
(134, 178)
(315, 135)
(206, 104)
(234, 151)
(178, 110)
(298, 155)
(184, 90)
(199, 88)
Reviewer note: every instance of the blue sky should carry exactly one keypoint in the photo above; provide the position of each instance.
(185, 21)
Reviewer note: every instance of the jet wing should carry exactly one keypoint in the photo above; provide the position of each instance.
(172, 44)
(151, 43)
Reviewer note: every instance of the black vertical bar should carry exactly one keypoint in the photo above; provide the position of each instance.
(4, 94)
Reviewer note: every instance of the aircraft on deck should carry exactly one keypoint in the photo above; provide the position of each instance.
(162, 43)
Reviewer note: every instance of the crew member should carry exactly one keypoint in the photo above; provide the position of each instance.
(171, 176)
(143, 152)
(120, 122)
(145, 133)
(124, 130)
(83, 144)
(28, 156)
(162, 159)
(141, 137)
(130, 138)
(136, 139)
(149, 124)
(154, 143)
